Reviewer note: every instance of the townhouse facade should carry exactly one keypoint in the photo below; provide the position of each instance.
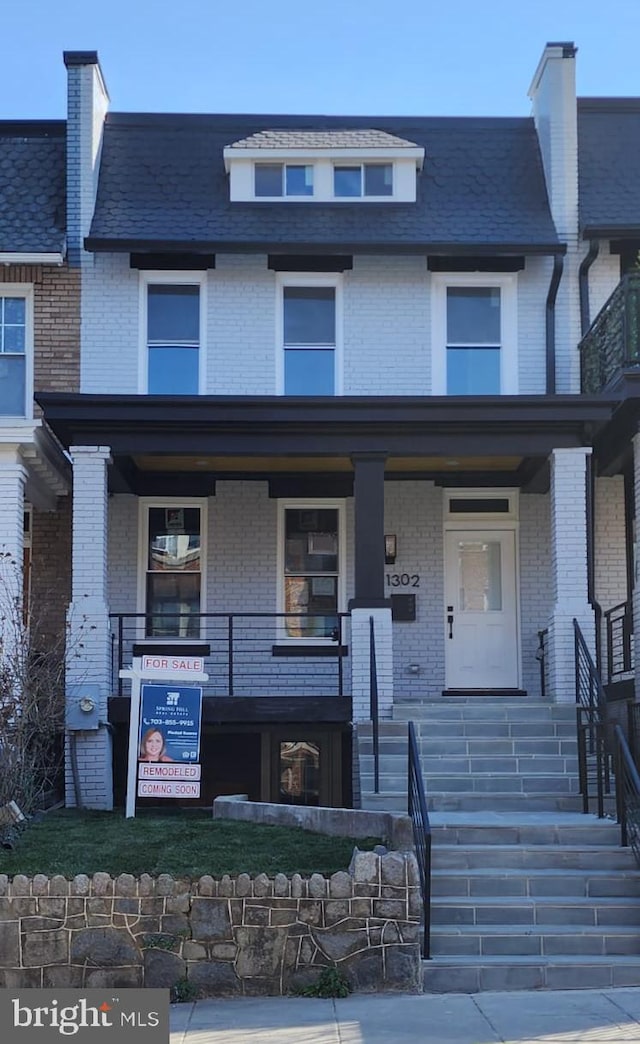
(332, 385)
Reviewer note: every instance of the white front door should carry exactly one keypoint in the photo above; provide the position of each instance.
(481, 629)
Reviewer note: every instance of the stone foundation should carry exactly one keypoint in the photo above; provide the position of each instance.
(238, 935)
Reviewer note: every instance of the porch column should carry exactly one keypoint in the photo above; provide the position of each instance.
(568, 568)
(369, 601)
(13, 476)
(635, 596)
(89, 654)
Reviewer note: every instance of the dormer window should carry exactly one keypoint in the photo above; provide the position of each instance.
(363, 179)
(283, 179)
(323, 166)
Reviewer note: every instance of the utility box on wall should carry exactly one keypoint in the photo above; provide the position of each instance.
(82, 703)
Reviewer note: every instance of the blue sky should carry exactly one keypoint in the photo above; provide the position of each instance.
(451, 57)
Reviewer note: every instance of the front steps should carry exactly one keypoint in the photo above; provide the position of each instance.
(527, 893)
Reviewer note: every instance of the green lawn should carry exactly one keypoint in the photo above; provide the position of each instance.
(189, 844)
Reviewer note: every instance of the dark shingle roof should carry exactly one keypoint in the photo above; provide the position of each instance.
(609, 165)
(327, 139)
(162, 181)
(32, 187)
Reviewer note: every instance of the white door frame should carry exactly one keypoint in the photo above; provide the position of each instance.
(485, 521)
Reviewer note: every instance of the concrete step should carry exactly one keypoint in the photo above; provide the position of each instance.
(483, 710)
(476, 728)
(473, 747)
(506, 940)
(396, 801)
(535, 883)
(473, 974)
(522, 829)
(541, 910)
(558, 857)
(457, 765)
(500, 784)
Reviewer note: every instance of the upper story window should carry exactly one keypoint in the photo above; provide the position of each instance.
(474, 335)
(309, 336)
(15, 350)
(283, 179)
(173, 336)
(363, 179)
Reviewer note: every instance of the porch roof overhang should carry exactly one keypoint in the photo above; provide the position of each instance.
(508, 436)
(613, 446)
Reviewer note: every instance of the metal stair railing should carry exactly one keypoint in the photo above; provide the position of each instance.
(417, 807)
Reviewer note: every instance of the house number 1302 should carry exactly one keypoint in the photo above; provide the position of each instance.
(403, 580)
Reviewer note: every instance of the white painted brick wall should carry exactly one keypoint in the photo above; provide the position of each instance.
(610, 550)
(604, 276)
(386, 329)
(569, 568)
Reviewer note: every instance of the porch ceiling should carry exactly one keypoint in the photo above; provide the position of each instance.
(216, 464)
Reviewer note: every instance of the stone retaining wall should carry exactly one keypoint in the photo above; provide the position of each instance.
(238, 935)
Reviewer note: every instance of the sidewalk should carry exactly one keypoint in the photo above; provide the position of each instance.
(554, 1017)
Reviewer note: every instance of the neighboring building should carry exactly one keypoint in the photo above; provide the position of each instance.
(330, 366)
(39, 350)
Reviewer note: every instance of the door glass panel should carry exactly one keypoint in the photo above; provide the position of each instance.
(173, 572)
(299, 773)
(480, 575)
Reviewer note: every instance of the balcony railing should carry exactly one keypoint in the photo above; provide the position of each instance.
(251, 654)
(611, 345)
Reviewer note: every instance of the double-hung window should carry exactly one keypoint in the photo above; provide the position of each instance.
(15, 356)
(363, 179)
(312, 570)
(173, 570)
(283, 179)
(309, 341)
(173, 337)
(475, 335)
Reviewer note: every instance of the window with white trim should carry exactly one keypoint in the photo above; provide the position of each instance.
(309, 335)
(173, 335)
(474, 335)
(274, 180)
(362, 179)
(15, 350)
(173, 569)
(312, 568)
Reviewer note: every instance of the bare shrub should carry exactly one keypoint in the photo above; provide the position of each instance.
(32, 687)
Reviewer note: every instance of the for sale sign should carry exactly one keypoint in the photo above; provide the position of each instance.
(169, 741)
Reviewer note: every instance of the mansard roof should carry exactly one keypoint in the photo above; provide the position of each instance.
(609, 166)
(32, 186)
(163, 186)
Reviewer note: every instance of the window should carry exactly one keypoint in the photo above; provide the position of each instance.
(473, 340)
(173, 570)
(173, 338)
(14, 345)
(363, 179)
(283, 179)
(312, 550)
(474, 334)
(309, 338)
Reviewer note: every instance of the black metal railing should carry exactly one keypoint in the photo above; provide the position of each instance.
(594, 762)
(627, 794)
(251, 654)
(619, 641)
(417, 807)
(611, 344)
(374, 709)
(541, 657)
